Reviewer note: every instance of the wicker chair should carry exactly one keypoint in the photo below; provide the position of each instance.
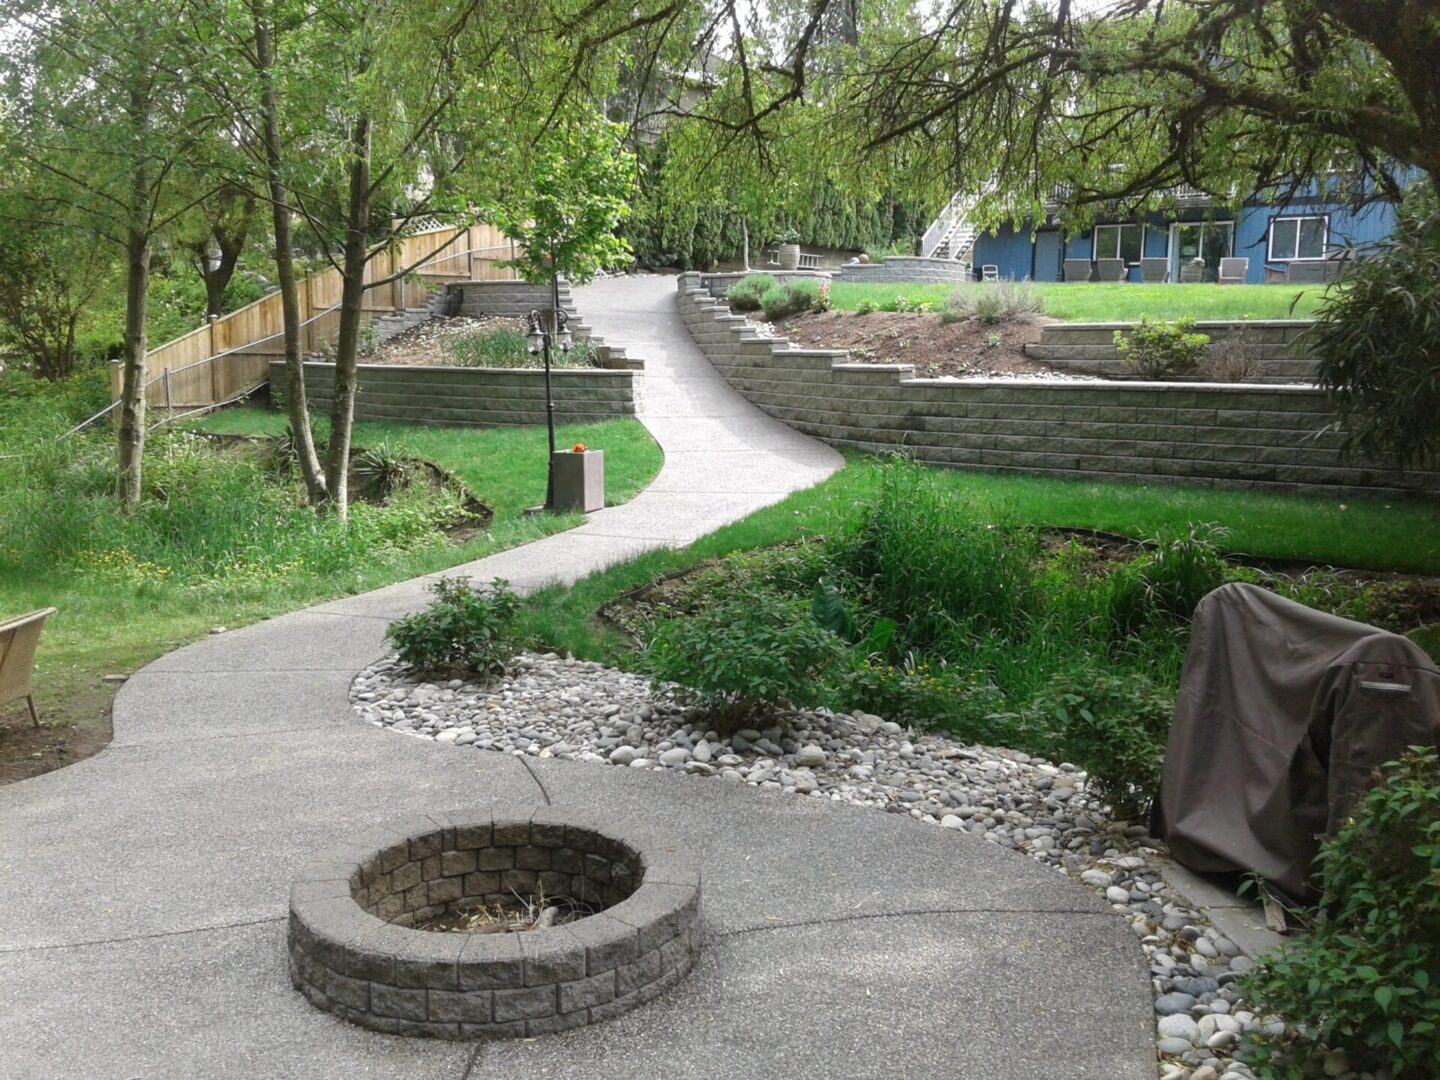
(18, 639)
(1079, 270)
(1155, 271)
(1111, 269)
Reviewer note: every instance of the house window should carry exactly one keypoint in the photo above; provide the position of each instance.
(1119, 242)
(1298, 238)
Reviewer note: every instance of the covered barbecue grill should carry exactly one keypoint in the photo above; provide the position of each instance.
(1283, 715)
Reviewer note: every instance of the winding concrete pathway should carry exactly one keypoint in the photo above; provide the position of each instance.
(143, 893)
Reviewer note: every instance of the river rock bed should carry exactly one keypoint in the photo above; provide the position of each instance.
(553, 707)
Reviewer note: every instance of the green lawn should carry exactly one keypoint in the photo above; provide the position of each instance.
(1122, 302)
(143, 591)
(505, 467)
(1360, 533)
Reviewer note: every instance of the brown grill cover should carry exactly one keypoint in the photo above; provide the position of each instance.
(1283, 715)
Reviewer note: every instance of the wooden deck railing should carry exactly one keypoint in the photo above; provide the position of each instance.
(230, 355)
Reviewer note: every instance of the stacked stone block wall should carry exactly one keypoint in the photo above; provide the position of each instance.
(353, 954)
(489, 397)
(1089, 348)
(1272, 437)
(906, 270)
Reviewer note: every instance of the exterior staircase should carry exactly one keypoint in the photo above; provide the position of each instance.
(953, 233)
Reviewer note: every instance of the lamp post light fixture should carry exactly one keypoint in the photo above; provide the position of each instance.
(540, 339)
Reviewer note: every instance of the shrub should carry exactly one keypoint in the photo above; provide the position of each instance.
(466, 626)
(380, 471)
(741, 654)
(1112, 726)
(866, 306)
(926, 558)
(506, 347)
(1375, 339)
(993, 302)
(745, 294)
(1161, 349)
(1164, 585)
(1366, 979)
(877, 252)
(929, 693)
(790, 299)
(1233, 359)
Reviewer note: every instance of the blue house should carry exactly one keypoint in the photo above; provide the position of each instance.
(1274, 237)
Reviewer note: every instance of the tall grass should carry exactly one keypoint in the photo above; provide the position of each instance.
(217, 540)
(503, 347)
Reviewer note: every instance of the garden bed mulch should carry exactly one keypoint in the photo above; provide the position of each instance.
(968, 349)
(426, 345)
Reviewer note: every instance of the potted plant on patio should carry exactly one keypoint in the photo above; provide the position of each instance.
(788, 253)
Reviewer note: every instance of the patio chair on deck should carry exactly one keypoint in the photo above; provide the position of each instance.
(1233, 271)
(989, 272)
(1078, 269)
(1111, 269)
(18, 639)
(1154, 271)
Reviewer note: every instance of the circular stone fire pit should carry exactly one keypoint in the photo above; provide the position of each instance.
(353, 951)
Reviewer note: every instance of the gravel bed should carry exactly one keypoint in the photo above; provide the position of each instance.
(553, 707)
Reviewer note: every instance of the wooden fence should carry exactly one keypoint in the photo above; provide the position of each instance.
(231, 354)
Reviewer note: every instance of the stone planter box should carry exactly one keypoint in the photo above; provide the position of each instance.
(579, 480)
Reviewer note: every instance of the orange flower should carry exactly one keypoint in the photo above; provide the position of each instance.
(578, 448)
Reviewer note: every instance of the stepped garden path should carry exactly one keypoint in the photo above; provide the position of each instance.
(145, 890)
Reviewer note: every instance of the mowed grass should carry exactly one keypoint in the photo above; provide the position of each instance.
(1366, 534)
(116, 622)
(504, 467)
(1117, 302)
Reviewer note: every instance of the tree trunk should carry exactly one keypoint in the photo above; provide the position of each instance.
(137, 283)
(296, 403)
(745, 237)
(352, 299)
(132, 393)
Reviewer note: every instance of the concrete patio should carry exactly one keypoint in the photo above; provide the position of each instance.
(145, 889)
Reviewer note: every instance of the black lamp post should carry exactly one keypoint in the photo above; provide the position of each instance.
(540, 340)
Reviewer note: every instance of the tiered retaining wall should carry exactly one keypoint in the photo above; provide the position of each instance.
(492, 397)
(506, 299)
(906, 270)
(1216, 435)
(516, 299)
(1089, 348)
(719, 284)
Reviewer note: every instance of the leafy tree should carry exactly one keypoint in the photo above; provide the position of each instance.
(100, 113)
(50, 276)
(1378, 342)
(580, 184)
(215, 234)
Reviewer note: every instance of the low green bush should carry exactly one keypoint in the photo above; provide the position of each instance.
(792, 298)
(742, 654)
(1366, 978)
(466, 627)
(745, 294)
(993, 302)
(1161, 350)
(1113, 726)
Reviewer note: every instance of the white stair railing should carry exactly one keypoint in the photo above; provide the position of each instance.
(952, 230)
